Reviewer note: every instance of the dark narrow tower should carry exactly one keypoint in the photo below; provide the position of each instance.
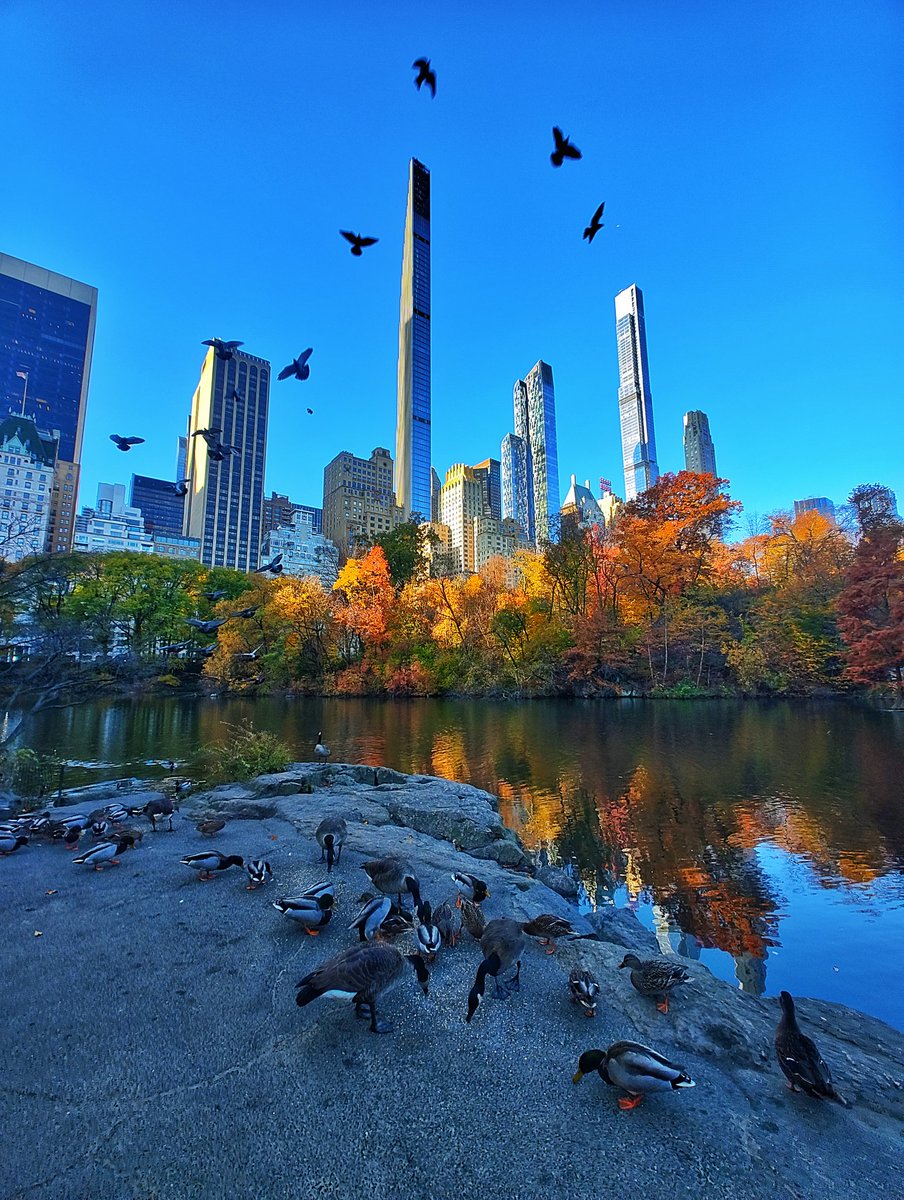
(699, 452)
(412, 465)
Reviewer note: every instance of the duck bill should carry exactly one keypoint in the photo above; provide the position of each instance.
(577, 1077)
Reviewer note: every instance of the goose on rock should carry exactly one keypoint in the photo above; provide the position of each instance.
(502, 944)
(393, 876)
(634, 1068)
(321, 752)
(362, 974)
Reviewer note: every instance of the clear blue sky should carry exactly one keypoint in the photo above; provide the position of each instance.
(195, 161)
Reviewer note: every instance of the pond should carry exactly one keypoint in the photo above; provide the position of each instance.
(765, 839)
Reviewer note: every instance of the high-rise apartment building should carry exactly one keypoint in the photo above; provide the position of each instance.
(161, 506)
(530, 464)
(412, 466)
(821, 504)
(358, 500)
(303, 551)
(225, 501)
(490, 471)
(634, 400)
(26, 480)
(46, 342)
(699, 452)
(516, 498)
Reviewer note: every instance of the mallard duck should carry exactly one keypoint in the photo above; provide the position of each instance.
(101, 828)
(312, 913)
(11, 842)
(158, 809)
(104, 852)
(634, 1068)
(321, 889)
(371, 917)
(655, 977)
(584, 989)
(209, 861)
(799, 1059)
(546, 928)
(259, 873)
(210, 826)
(470, 887)
(428, 936)
(331, 834)
(320, 751)
(392, 876)
(362, 974)
(473, 919)
(447, 919)
(71, 835)
(116, 813)
(502, 945)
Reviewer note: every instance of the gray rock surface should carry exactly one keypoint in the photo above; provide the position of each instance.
(621, 927)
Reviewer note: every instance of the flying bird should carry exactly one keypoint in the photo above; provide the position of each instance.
(125, 443)
(213, 597)
(310, 412)
(206, 626)
(564, 148)
(236, 394)
(174, 647)
(275, 566)
(298, 366)
(250, 654)
(424, 75)
(180, 487)
(218, 451)
(358, 242)
(224, 350)
(245, 612)
(209, 435)
(595, 224)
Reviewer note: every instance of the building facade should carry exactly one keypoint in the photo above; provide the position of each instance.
(358, 500)
(304, 551)
(515, 495)
(821, 504)
(699, 452)
(529, 472)
(161, 506)
(580, 508)
(412, 465)
(176, 546)
(225, 502)
(27, 460)
(635, 402)
(111, 524)
(490, 471)
(46, 343)
(279, 510)
(462, 500)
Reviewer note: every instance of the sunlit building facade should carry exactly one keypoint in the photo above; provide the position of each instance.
(490, 472)
(530, 463)
(161, 506)
(304, 551)
(699, 451)
(27, 459)
(820, 504)
(516, 498)
(358, 500)
(634, 400)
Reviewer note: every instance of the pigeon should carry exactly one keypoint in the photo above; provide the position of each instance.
(174, 647)
(213, 597)
(564, 148)
(595, 224)
(358, 242)
(236, 394)
(275, 566)
(251, 655)
(224, 350)
(310, 412)
(206, 626)
(219, 452)
(298, 366)
(206, 651)
(424, 75)
(124, 443)
(209, 435)
(245, 612)
(180, 487)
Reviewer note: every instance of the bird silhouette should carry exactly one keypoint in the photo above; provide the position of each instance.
(310, 412)
(206, 626)
(180, 487)
(595, 224)
(174, 647)
(218, 451)
(223, 350)
(236, 394)
(424, 75)
(125, 443)
(209, 435)
(274, 567)
(213, 597)
(298, 366)
(250, 654)
(358, 241)
(245, 612)
(564, 148)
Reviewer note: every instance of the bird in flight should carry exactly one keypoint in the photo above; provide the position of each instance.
(357, 241)
(224, 350)
(310, 412)
(275, 566)
(595, 224)
(236, 394)
(424, 75)
(206, 626)
(298, 366)
(244, 612)
(209, 435)
(250, 654)
(124, 443)
(180, 487)
(213, 597)
(564, 148)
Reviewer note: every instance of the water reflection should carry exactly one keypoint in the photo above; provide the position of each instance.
(727, 826)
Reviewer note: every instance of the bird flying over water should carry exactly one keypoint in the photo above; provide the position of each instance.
(224, 350)
(298, 366)
(424, 75)
(595, 224)
(125, 443)
(564, 149)
(358, 241)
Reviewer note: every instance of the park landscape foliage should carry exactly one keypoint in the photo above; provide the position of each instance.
(662, 602)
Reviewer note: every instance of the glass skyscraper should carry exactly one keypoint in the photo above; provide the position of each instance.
(634, 400)
(46, 342)
(532, 456)
(699, 452)
(161, 506)
(516, 502)
(412, 466)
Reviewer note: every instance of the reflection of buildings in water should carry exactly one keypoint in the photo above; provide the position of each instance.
(750, 973)
(633, 875)
(688, 946)
(671, 937)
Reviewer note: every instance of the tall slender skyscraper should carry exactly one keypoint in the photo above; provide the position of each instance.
(412, 465)
(699, 452)
(46, 343)
(634, 400)
(225, 501)
(534, 399)
(515, 503)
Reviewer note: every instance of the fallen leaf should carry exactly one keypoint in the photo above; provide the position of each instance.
(274, 837)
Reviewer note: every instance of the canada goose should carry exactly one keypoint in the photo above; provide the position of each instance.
(799, 1058)
(361, 974)
(392, 876)
(104, 852)
(655, 977)
(158, 808)
(209, 861)
(502, 945)
(634, 1068)
(311, 912)
(584, 989)
(331, 834)
(320, 751)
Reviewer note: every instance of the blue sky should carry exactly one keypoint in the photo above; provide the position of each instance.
(195, 161)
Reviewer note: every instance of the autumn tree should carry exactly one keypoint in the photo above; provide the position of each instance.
(366, 599)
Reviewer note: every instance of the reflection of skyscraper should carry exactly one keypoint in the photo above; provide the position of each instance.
(534, 400)
(412, 466)
(46, 342)
(634, 401)
(699, 452)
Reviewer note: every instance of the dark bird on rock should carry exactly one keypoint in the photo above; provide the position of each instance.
(362, 974)
(595, 224)
(298, 366)
(564, 149)
(156, 810)
(799, 1058)
(259, 873)
(502, 944)
(209, 861)
(210, 826)
(245, 612)
(223, 350)
(635, 1069)
(393, 876)
(206, 626)
(331, 834)
(321, 752)
(447, 919)
(424, 75)
(274, 566)
(125, 443)
(472, 887)
(546, 928)
(358, 242)
(655, 977)
(584, 989)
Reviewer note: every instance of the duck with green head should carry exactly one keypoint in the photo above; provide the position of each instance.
(634, 1068)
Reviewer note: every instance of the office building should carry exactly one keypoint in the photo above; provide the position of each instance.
(182, 458)
(27, 459)
(490, 472)
(46, 342)
(358, 500)
(475, 534)
(161, 506)
(172, 546)
(304, 551)
(530, 466)
(516, 505)
(225, 501)
(280, 510)
(436, 486)
(699, 452)
(634, 399)
(111, 524)
(820, 504)
(412, 465)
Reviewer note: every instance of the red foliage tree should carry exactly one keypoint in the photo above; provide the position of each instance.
(871, 607)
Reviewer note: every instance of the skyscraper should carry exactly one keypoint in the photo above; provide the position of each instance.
(225, 502)
(516, 498)
(699, 452)
(412, 465)
(634, 400)
(162, 508)
(820, 504)
(490, 471)
(534, 399)
(46, 342)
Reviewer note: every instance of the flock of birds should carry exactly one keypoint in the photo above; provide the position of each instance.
(366, 971)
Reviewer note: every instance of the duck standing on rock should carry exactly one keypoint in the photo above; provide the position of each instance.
(209, 861)
(370, 918)
(546, 928)
(362, 974)
(655, 977)
(331, 834)
(469, 886)
(427, 933)
(311, 912)
(584, 990)
(447, 919)
(392, 876)
(473, 919)
(105, 852)
(210, 826)
(321, 752)
(259, 873)
(634, 1068)
(800, 1060)
(11, 842)
(502, 945)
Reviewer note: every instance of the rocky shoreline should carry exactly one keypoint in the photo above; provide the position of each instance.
(174, 1061)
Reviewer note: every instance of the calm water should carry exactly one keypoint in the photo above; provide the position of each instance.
(765, 839)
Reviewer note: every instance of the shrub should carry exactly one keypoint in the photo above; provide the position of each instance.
(248, 752)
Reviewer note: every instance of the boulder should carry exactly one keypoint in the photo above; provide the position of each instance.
(621, 927)
(559, 881)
